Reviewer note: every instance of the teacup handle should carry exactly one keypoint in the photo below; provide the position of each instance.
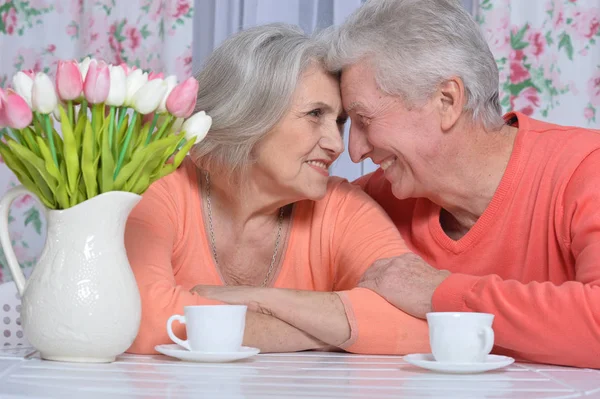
(488, 339)
(172, 335)
(11, 259)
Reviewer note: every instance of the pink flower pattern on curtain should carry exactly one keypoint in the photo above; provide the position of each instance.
(548, 54)
(35, 34)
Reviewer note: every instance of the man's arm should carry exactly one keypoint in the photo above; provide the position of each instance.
(545, 322)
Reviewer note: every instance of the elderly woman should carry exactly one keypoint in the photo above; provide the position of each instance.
(253, 217)
(508, 204)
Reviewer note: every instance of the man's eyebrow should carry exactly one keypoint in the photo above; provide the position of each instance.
(353, 105)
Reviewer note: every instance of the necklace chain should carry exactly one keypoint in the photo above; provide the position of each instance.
(211, 231)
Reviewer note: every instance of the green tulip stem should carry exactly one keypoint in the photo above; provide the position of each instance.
(122, 113)
(111, 127)
(70, 111)
(125, 145)
(50, 135)
(162, 129)
(152, 126)
(97, 117)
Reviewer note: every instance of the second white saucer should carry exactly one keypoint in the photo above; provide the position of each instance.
(426, 360)
(180, 353)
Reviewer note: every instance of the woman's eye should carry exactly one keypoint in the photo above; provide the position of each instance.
(316, 112)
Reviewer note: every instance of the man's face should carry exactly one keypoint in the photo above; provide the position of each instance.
(404, 141)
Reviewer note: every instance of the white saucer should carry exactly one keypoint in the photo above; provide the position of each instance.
(426, 360)
(180, 353)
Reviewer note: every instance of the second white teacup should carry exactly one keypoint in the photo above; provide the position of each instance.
(460, 337)
(211, 328)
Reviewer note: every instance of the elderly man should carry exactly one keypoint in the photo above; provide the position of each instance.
(505, 208)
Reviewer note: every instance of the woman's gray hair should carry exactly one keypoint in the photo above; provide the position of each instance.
(246, 86)
(414, 45)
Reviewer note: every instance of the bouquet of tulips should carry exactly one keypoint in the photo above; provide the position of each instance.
(121, 129)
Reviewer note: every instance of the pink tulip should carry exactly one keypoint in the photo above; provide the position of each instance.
(182, 100)
(14, 111)
(69, 83)
(97, 82)
(152, 76)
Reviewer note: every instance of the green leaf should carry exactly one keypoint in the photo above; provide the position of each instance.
(70, 151)
(88, 165)
(505, 103)
(549, 38)
(179, 157)
(36, 167)
(140, 158)
(145, 32)
(516, 39)
(108, 162)
(33, 216)
(486, 5)
(24, 176)
(60, 188)
(569, 21)
(565, 41)
(515, 89)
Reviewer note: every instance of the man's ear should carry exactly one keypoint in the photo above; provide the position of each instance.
(452, 98)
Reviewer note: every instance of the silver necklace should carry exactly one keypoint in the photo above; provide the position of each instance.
(211, 231)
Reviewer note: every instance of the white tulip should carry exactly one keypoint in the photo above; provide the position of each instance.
(197, 126)
(135, 80)
(171, 83)
(84, 66)
(149, 96)
(23, 85)
(118, 86)
(43, 95)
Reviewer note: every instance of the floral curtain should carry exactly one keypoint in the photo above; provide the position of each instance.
(548, 53)
(35, 34)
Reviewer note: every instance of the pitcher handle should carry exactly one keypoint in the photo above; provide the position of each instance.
(9, 253)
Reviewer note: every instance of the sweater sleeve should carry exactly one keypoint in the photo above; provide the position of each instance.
(550, 323)
(151, 240)
(363, 233)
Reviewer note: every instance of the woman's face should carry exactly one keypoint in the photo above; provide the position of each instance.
(294, 158)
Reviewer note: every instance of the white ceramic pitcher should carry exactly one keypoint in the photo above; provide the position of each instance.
(81, 302)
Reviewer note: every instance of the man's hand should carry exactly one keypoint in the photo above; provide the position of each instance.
(406, 281)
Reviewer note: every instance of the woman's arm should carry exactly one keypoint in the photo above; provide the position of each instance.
(151, 240)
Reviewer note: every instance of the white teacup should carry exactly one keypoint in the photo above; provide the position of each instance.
(458, 337)
(211, 328)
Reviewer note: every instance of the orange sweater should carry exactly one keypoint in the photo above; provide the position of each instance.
(533, 257)
(331, 243)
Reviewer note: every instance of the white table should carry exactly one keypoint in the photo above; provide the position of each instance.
(294, 375)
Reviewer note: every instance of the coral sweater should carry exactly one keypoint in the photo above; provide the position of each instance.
(533, 257)
(330, 244)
